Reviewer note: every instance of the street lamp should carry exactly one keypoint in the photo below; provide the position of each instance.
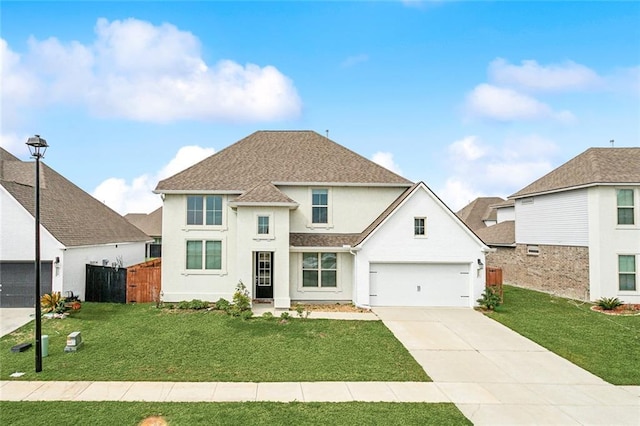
(37, 147)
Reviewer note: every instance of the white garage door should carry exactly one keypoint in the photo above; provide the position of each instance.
(419, 284)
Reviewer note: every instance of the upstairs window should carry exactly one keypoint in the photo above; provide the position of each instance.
(204, 210)
(320, 206)
(263, 225)
(627, 273)
(625, 206)
(319, 270)
(419, 226)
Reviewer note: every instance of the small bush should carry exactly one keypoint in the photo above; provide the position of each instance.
(490, 299)
(183, 305)
(246, 315)
(198, 304)
(285, 316)
(302, 310)
(222, 304)
(267, 315)
(241, 300)
(608, 303)
(52, 302)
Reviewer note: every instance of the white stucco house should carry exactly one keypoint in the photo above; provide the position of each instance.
(76, 230)
(577, 229)
(298, 217)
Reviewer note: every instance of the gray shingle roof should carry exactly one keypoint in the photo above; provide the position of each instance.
(150, 224)
(264, 193)
(71, 215)
(474, 213)
(500, 234)
(322, 240)
(592, 167)
(279, 157)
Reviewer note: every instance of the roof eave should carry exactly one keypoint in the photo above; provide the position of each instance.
(517, 196)
(234, 204)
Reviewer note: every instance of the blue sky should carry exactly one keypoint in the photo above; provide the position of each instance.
(473, 98)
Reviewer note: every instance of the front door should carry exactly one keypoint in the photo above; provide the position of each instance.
(264, 275)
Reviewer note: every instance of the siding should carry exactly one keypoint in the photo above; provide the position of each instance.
(554, 219)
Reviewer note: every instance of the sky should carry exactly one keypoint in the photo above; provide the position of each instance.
(474, 98)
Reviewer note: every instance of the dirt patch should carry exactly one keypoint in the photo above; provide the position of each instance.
(626, 309)
(336, 307)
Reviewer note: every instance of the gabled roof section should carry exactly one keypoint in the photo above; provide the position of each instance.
(593, 167)
(500, 234)
(150, 224)
(71, 215)
(280, 157)
(476, 212)
(264, 193)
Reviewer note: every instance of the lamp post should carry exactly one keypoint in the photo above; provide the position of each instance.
(37, 147)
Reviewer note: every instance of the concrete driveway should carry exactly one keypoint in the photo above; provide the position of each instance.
(496, 376)
(13, 318)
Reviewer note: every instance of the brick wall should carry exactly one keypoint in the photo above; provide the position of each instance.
(559, 270)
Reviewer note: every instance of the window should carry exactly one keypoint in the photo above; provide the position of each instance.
(210, 257)
(320, 206)
(263, 225)
(204, 210)
(627, 273)
(319, 270)
(419, 227)
(533, 250)
(625, 206)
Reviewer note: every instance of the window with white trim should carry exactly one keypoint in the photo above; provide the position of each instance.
(320, 206)
(204, 210)
(263, 225)
(320, 270)
(625, 206)
(420, 226)
(204, 255)
(627, 278)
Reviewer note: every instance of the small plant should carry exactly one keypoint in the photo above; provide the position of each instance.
(222, 304)
(490, 299)
(285, 316)
(183, 305)
(52, 302)
(608, 303)
(241, 298)
(246, 315)
(302, 310)
(267, 315)
(198, 304)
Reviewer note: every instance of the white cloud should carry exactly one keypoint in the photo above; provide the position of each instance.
(354, 60)
(498, 171)
(137, 196)
(15, 144)
(139, 71)
(504, 104)
(385, 159)
(530, 75)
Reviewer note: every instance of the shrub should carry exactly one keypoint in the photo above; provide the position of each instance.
(222, 304)
(302, 310)
(198, 304)
(183, 305)
(490, 299)
(267, 315)
(246, 315)
(285, 316)
(52, 302)
(608, 303)
(241, 300)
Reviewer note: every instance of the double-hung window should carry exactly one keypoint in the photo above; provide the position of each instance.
(263, 225)
(627, 273)
(625, 206)
(320, 270)
(204, 210)
(204, 255)
(320, 206)
(420, 226)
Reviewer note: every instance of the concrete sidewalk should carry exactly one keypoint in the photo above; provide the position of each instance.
(496, 376)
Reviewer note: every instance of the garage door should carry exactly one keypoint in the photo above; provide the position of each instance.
(17, 283)
(419, 284)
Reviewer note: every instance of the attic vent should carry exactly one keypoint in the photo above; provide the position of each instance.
(527, 200)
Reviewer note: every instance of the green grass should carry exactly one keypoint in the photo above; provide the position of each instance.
(143, 343)
(254, 413)
(607, 346)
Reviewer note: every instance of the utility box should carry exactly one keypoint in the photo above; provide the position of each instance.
(74, 342)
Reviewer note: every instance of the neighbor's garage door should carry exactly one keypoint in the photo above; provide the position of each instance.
(17, 283)
(419, 284)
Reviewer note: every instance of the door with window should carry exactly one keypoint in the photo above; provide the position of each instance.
(263, 272)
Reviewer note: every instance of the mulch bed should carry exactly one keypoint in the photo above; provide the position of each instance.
(626, 309)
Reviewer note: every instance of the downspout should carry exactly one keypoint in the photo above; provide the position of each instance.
(354, 251)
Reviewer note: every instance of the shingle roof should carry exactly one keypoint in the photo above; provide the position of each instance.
(474, 213)
(150, 224)
(264, 193)
(500, 234)
(71, 215)
(279, 157)
(592, 167)
(322, 240)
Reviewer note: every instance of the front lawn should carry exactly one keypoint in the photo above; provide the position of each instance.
(607, 346)
(143, 343)
(253, 413)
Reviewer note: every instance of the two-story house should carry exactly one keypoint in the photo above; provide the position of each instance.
(298, 217)
(577, 229)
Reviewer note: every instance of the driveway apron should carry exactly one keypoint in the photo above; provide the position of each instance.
(496, 376)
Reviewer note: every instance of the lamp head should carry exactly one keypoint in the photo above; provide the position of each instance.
(37, 146)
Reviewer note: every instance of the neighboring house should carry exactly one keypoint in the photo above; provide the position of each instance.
(76, 229)
(577, 229)
(297, 217)
(150, 224)
(480, 213)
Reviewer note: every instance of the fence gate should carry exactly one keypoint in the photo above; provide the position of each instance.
(494, 279)
(143, 282)
(106, 284)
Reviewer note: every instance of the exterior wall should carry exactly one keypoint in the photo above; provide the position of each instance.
(351, 208)
(607, 240)
(342, 293)
(559, 270)
(506, 213)
(76, 258)
(554, 219)
(446, 241)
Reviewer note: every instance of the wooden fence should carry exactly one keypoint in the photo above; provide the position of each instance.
(494, 279)
(144, 282)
